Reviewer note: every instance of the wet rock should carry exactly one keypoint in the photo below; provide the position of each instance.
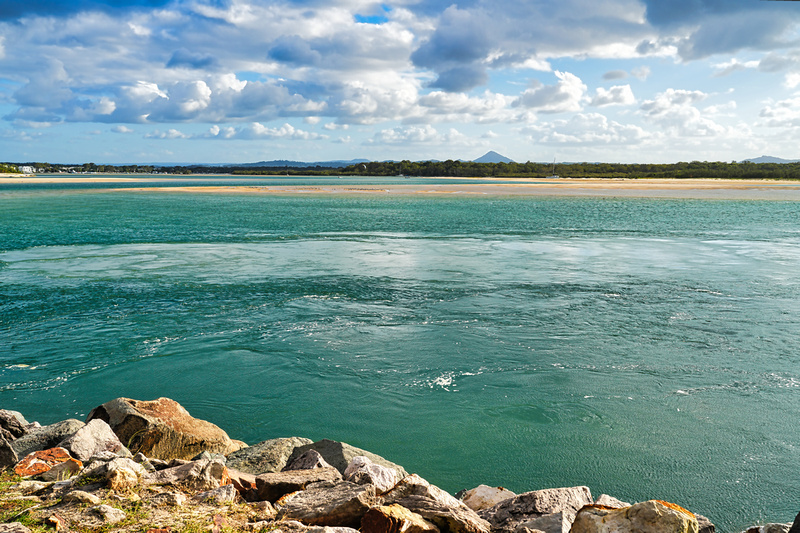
(339, 455)
(484, 496)
(363, 471)
(342, 505)
(646, 517)
(110, 515)
(162, 429)
(272, 486)
(528, 507)
(95, 437)
(79, 496)
(45, 437)
(435, 505)
(42, 461)
(265, 457)
(308, 461)
(395, 519)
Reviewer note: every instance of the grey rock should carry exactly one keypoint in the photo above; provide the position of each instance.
(435, 505)
(220, 495)
(328, 529)
(517, 511)
(45, 437)
(79, 496)
(548, 523)
(61, 471)
(12, 424)
(169, 499)
(265, 457)
(339, 455)
(198, 475)
(110, 515)
(770, 528)
(95, 437)
(14, 527)
(124, 474)
(342, 505)
(8, 457)
(363, 471)
(210, 456)
(609, 501)
(484, 496)
(704, 524)
(308, 461)
(272, 486)
(645, 517)
(395, 519)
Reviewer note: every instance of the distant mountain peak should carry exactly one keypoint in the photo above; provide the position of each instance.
(771, 159)
(493, 157)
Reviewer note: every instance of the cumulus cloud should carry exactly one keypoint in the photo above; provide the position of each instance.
(585, 129)
(187, 59)
(121, 129)
(259, 131)
(783, 113)
(615, 75)
(617, 95)
(565, 96)
(675, 111)
(169, 134)
(734, 65)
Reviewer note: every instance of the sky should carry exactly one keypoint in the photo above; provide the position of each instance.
(238, 81)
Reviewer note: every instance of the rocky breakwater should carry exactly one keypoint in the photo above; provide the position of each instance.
(149, 466)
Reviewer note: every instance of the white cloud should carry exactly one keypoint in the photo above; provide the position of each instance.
(565, 96)
(587, 129)
(783, 113)
(169, 134)
(121, 129)
(257, 130)
(675, 112)
(734, 65)
(617, 95)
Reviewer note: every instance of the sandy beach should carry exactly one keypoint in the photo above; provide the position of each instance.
(648, 188)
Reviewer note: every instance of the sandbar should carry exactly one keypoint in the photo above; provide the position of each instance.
(645, 188)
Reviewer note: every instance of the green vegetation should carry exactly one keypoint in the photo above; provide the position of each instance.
(450, 168)
(5, 168)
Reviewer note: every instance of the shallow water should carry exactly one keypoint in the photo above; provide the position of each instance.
(645, 348)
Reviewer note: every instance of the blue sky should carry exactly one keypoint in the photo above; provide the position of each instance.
(236, 81)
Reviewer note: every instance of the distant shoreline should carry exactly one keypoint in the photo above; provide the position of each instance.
(616, 187)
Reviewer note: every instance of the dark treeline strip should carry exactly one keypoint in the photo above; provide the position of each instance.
(682, 170)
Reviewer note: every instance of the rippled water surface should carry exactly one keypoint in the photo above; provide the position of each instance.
(645, 348)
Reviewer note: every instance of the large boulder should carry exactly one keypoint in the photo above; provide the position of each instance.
(339, 455)
(162, 429)
(45, 437)
(8, 457)
(265, 457)
(308, 461)
(652, 516)
(484, 496)
(272, 486)
(395, 519)
(551, 509)
(342, 505)
(93, 438)
(363, 471)
(435, 505)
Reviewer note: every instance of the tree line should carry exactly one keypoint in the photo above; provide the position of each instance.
(452, 168)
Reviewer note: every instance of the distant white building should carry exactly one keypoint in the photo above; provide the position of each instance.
(27, 170)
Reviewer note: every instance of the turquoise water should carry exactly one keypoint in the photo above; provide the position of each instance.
(645, 348)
